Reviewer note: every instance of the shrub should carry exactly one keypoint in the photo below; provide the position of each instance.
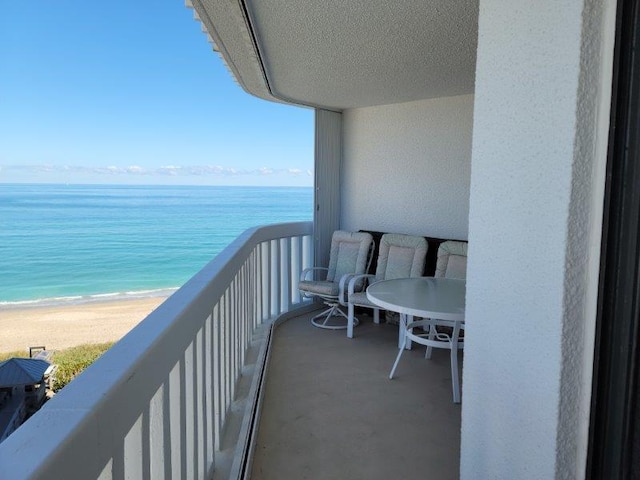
(7, 355)
(72, 361)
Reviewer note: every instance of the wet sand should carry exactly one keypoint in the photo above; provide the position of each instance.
(64, 326)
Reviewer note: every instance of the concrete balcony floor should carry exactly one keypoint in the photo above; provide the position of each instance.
(331, 412)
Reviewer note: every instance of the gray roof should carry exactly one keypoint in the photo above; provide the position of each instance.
(22, 371)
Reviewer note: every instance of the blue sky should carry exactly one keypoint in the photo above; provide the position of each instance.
(131, 93)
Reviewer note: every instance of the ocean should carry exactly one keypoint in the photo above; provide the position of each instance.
(63, 244)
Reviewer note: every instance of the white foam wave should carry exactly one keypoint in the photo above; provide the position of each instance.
(82, 299)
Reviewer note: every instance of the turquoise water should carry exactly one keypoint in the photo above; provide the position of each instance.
(74, 243)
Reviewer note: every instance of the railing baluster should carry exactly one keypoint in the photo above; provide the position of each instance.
(174, 421)
(207, 381)
(235, 315)
(307, 252)
(245, 319)
(248, 288)
(184, 411)
(199, 415)
(237, 337)
(218, 352)
(255, 286)
(107, 471)
(224, 362)
(245, 315)
(275, 279)
(285, 281)
(233, 332)
(266, 280)
(133, 450)
(146, 443)
(306, 259)
(156, 435)
(228, 364)
(248, 296)
(188, 419)
(296, 268)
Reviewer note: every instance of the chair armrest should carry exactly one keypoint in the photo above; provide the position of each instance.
(342, 297)
(350, 279)
(306, 271)
(355, 278)
(348, 285)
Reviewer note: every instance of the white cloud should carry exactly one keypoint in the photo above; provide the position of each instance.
(172, 170)
(169, 170)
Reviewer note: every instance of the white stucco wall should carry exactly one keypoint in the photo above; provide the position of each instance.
(406, 167)
(539, 147)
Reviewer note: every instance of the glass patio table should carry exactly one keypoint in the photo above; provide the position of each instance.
(439, 301)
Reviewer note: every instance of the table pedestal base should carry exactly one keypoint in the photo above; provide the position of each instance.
(432, 339)
(324, 318)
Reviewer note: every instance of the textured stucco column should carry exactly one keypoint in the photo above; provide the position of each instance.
(541, 110)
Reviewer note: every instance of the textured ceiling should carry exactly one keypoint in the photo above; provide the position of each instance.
(340, 54)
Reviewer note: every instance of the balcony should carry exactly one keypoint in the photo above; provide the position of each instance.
(180, 395)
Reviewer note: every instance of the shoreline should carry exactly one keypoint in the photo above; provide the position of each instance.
(65, 325)
(73, 300)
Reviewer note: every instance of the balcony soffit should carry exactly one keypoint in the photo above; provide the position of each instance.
(347, 53)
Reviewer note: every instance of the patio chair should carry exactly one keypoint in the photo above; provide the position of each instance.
(451, 263)
(351, 253)
(452, 260)
(399, 256)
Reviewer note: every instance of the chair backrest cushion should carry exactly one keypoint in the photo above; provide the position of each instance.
(349, 254)
(401, 256)
(452, 260)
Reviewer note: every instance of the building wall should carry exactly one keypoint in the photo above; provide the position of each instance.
(541, 111)
(406, 167)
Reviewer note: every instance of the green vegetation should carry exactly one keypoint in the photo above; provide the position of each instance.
(70, 361)
(8, 355)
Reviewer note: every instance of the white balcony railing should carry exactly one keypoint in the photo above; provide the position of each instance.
(157, 403)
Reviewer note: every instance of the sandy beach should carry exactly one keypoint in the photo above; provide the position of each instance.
(58, 327)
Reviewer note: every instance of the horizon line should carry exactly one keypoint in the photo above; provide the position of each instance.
(87, 184)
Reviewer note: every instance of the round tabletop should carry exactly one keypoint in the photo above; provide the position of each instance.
(439, 298)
